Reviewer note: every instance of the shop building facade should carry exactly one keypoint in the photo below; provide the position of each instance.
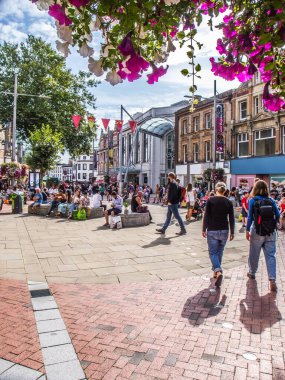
(258, 138)
(194, 139)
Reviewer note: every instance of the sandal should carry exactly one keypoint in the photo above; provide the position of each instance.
(272, 286)
(106, 225)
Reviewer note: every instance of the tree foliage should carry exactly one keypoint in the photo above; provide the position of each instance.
(42, 71)
(44, 148)
(139, 34)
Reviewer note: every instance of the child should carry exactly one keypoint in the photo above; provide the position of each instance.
(282, 211)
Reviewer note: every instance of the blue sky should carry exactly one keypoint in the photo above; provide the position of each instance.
(20, 18)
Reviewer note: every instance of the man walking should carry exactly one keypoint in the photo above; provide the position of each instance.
(173, 199)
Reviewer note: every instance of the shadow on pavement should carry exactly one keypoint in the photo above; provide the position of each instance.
(203, 305)
(159, 241)
(257, 313)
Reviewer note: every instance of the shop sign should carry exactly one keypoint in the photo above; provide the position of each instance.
(219, 128)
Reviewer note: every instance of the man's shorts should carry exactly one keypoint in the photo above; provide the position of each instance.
(116, 211)
(244, 213)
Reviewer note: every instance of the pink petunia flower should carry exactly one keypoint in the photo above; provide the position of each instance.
(79, 3)
(58, 12)
(126, 46)
(157, 72)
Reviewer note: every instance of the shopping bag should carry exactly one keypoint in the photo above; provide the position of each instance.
(81, 214)
(115, 222)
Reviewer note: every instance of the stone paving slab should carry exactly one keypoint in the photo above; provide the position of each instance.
(42, 249)
(179, 329)
(19, 342)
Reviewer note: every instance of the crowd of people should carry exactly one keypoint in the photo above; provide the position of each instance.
(262, 212)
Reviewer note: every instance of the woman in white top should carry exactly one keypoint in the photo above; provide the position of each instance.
(191, 196)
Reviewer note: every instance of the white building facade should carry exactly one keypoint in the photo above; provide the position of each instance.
(147, 155)
(56, 172)
(85, 168)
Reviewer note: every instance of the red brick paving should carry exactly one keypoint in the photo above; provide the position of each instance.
(19, 340)
(173, 329)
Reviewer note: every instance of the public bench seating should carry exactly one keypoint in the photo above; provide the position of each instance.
(135, 219)
(42, 210)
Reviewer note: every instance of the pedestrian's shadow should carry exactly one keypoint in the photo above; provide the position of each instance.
(159, 241)
(257, 313)
(203, 305)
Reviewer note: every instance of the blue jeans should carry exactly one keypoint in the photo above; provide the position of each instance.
(173, 209)
(216, 245)
(268, 244)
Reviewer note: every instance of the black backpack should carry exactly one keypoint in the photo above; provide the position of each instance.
(265, 218)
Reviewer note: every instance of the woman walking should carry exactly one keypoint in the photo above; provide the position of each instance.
(218, 219)
(263, 217)
(191, 199)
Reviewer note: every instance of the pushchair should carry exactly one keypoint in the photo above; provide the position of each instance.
(197, 212)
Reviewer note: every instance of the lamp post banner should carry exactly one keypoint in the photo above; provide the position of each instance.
(119, 125)
(106, 123)
(219, 128)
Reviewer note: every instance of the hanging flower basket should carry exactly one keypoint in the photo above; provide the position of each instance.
(14, 170)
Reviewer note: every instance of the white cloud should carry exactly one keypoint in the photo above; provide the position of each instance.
(9, 33)
(43, 29)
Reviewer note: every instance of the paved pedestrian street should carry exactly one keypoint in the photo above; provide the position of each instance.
(79, 301)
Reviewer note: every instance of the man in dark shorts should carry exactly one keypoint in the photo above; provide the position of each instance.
(116, 207)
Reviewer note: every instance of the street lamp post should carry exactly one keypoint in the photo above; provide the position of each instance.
(14, 125)
(214, 125)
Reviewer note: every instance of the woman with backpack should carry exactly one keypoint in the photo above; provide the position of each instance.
(263, 216)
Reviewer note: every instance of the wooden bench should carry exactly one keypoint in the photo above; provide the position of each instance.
(135, 219)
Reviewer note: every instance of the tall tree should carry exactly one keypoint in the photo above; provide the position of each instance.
(44, 148)
(42, 71)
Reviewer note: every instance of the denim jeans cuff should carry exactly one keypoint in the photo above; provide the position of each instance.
(218, 270)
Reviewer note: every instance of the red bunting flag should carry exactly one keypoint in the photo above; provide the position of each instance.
(91, 121)
(76, 120)
(119, 125)
(106, 123)
(133, 125)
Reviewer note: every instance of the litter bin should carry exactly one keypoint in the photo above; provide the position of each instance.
(17, 203)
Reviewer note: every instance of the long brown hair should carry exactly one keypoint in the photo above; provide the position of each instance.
(260, 188)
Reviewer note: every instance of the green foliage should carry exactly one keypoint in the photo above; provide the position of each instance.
(44, 148)
(42, 71)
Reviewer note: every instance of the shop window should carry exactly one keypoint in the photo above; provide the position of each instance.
(84, 175)
(184, 127)
(79, 166)
(208, 120)
(84, 166)
(79, 176)
(185, 153)
(221, 156)
(242, 148)
(145, 147)
(195, 152)
(170, 151)
(195, 123)
(208, 151)
(243, 110)
(256, 105)
(256, 78)
(90, 166)
(138, 149)
(123, 150)
(265, 142)
(84, 157)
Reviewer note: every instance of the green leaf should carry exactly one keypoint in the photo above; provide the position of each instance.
(198, 67)
(184, 72)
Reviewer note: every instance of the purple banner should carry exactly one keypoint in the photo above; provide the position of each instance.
(219, 128)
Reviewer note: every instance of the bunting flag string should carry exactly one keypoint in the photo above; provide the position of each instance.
(76, 120)
(119, 125)
(133, 125)
(91, 121)
(106, 123)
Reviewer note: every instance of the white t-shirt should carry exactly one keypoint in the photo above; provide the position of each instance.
(191, 196)
(96, 200)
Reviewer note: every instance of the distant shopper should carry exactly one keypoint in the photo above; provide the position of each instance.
(218, 219)
(263, 217)
(191, 198)
(173, 200)
(244, 210)
(38, 199)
